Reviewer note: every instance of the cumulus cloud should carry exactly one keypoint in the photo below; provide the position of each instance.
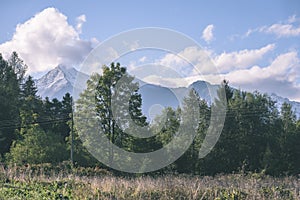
(241, 59)
(193, 60)
(99, 57)
(207, 33)
(46, 40)
(80, 20)
(280, 76)
(189, 62)
(281, 68)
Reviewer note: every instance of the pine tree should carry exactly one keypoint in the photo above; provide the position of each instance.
(190, 119)
(9, 104)
(18, 66)
(31, 102)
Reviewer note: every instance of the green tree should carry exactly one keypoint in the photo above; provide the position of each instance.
(246, 138)
(57, 113)
(81, 156)
(290, 136)
(9, 104)
(190, 120)
(29, 88)
(18, 66)
(35, 147)
(84, 110)
(35, 143)
(165, 127)
(31, 103)
(117, 108)
(125, 96)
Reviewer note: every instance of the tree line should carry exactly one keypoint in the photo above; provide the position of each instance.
(32, 129)
(256, 137)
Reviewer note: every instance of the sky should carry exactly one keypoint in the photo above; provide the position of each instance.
(253, 44)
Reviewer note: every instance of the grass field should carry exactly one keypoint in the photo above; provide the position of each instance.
(46, 182)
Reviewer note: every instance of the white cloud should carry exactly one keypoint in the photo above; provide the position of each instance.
(193, 60)
(288, 28)
(46, 40)
(94, 42)
(189, 62)
(280, 76)
(281, 30)
(279, 69)
(166, 82)
(80, 20)
(99, 57)
(207, 33)
(241, 59)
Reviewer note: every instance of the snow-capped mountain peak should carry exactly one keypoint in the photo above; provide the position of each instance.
(58, 81)
(69, 73)
(280, 100)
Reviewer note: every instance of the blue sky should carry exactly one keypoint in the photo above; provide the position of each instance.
(254, 43)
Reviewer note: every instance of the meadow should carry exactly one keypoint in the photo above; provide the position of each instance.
(48, 182)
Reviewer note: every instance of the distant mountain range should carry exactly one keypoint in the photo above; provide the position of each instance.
(62, 79)
(280, 100)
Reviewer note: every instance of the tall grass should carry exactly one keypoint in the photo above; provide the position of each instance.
(46, 182)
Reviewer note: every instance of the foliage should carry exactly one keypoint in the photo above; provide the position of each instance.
(117, 106)
(9, 103)
(29, 125)
(35, 182)
(37, 146)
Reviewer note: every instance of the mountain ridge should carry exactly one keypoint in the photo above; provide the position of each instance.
(58, 81)
(62, 79)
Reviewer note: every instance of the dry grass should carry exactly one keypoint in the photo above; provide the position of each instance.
(26, 183)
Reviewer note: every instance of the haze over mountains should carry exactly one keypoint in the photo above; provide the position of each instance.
(62, 79)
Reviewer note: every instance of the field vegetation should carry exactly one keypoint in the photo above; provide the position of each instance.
(63, 182)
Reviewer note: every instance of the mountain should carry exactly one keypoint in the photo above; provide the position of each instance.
(57, 82)
(280, 100)
(62, 79)
(156, 97)
(205, 90)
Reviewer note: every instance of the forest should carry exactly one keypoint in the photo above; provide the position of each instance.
(257, 137)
